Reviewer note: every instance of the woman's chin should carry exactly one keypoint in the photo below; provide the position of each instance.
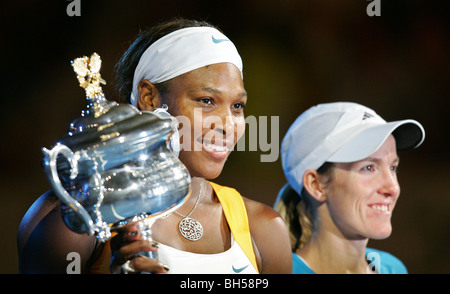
(381, 233)
(203, 169)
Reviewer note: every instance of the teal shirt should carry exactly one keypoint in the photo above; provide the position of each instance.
(384, 263)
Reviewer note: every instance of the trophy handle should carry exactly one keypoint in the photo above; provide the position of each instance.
(52, 175)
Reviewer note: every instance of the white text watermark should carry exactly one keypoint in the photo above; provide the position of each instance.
(374, 8)
(74, 8)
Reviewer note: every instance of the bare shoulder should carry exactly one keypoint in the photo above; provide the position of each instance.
(265, 218)
(271, 237)
(44, 241)
(260, 210)
(44, 205)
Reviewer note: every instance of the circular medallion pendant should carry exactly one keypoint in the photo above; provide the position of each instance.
(191, 229)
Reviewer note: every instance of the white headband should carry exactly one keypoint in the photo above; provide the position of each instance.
(182, 51)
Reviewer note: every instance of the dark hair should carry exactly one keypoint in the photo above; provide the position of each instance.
(297, 211)
(125, 67)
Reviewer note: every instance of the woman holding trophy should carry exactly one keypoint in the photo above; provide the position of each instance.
(196, 71)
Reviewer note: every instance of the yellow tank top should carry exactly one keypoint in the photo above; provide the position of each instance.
(236, 214)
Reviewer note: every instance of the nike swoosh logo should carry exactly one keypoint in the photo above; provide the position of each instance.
(217, 41)
(238, 270)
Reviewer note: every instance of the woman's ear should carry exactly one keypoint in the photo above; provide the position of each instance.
(148, 96)
(313, 185)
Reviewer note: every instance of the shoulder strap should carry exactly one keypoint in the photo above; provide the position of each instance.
(236, 215)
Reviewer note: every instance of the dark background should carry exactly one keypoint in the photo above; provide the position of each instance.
(296, 54)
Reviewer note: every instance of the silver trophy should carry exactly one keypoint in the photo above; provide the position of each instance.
(116, 165)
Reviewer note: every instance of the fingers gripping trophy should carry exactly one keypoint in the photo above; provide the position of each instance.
(116, 166)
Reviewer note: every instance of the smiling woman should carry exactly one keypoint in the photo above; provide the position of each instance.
(196, 71)
(212, 110)
(340, 160)
(363, 194)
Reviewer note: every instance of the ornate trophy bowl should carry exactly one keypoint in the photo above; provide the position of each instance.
(116, 165)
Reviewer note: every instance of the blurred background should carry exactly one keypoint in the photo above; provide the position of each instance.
(296, 54)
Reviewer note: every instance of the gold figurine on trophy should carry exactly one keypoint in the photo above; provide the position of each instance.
(88, 74)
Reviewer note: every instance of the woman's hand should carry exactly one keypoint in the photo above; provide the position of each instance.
(126, 249)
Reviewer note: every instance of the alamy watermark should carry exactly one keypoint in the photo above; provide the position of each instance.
(374, 8)
(217, 136)
(374, 260)
(74, 8)
(74, 265)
